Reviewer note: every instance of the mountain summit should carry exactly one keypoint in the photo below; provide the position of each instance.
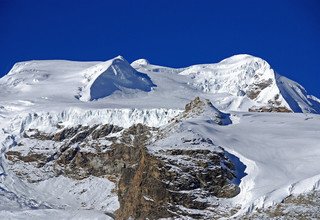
(238, 83)
(114, 75)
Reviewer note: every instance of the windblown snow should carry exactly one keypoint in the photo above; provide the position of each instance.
(281, 151)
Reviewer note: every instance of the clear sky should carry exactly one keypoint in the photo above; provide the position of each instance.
(174, 33)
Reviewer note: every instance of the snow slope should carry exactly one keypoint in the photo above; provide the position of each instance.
(237, 83)
(281, 152)
(58, 81)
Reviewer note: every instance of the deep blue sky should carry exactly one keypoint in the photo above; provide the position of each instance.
(175, 33)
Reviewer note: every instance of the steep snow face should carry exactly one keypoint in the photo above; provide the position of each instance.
(105, 78)
(245, 76)
(238, 83)
(233, 75)
(296, 96)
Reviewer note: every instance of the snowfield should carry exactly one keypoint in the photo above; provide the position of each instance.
(280, 151)
(235, 84)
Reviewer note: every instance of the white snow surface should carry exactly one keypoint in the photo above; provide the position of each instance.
(117, 84)
(54, 214)
(281, 151)
(56, 198)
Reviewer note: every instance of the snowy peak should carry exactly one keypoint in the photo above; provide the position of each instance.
(238, 83)
(242, 59)
(114, 75)
(140, 62)
(250, 84)
(57, 80)
(238, 75)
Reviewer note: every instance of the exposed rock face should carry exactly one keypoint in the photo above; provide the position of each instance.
(256, 88)
(159, 174)
(162, 186)
(178, 173)
(270, 109)
(198, 106)
(304, 206)
(39, 159)
(273, 106)
(142, 193)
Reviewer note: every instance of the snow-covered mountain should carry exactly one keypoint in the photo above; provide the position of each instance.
(242, 82)
(118, 140)
(238, 83)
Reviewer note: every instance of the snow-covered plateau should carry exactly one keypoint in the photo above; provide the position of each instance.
(113, 140)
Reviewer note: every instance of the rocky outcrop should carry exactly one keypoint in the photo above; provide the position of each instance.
(158, 174)
(274, 105)
(303, 206)
(158, 187)
(142, 193)
(270, 109)
(38, 159)
(203, 107)
(256, 88)
(178, 173)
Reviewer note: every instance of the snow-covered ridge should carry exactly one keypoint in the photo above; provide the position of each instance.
(87, 81)
(231, 75)
(105, 78)
(246, 76)
(238, 83)
(48, 121)
(296, 96)
(241, 83)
